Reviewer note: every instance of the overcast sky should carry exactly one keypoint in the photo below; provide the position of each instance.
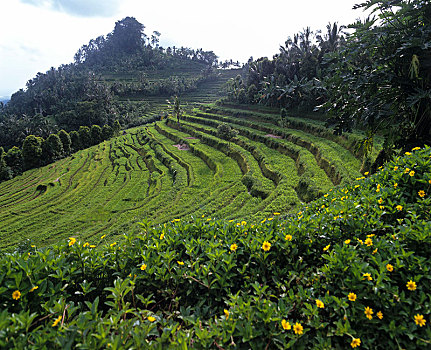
(38, 34)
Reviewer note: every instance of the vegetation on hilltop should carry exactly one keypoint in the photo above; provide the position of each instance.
(95, 89)
(350, 270)
(378, 77)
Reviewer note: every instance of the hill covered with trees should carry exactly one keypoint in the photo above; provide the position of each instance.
(97, 87)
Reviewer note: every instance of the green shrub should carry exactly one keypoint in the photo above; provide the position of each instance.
(350, 267)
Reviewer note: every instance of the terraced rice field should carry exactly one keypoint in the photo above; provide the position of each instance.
(165, 171)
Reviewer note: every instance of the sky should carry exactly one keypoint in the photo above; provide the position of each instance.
(36, 35)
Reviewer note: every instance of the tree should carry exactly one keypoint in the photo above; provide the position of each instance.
(66, 141)
(14, 160)
(32, 152)
(52, 148)
(175, 107)
(84, 137)
(96, 134)
(5, 173)
(128, 35)
(225, 132)
(107, 132)
(381, 79)
(75, 142)
(116, 128)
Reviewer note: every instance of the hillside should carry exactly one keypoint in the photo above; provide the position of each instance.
(165, 171)
(349, 270)
(121, 76)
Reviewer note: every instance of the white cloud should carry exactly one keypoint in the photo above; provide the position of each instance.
(84, 8)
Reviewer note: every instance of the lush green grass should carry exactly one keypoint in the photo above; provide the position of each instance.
(351, 268)
(141, 174)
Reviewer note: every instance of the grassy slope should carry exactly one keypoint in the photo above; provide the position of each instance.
(108, 188)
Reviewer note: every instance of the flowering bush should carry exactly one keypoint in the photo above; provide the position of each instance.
(349, 270)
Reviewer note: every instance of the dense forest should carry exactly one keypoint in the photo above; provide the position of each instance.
(374, 74)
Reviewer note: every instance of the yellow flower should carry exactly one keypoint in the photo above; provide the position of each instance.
(243, 223)
(395, 168)
(352, 296)
(103, 237)
(389, 267)
(112, 244)
(419, 320)
(288, 237)
(263, 221)
(412, 173)
(297, 328)
(72, 241)
(92, 246)
(33, 246)
(416, 149)
(326, 248)
(382, 207)
(421, 193)
(16, 295)
(233, 247)
(57, 321)
(33, 289)
(226, 313)
(180, 263)
(266, 246)
(368, 312)
(162, 235)
(286, 325)
(379, 315)
(395, 185)
(374, 251)
(406, 171)
(399, 207)
(411, 285)
(369, 242)
(269, 219)
(380, 201)
(320, 304)
(347, 241)
(86, 244)
(143, 267)
(367, 276)
(276, 213)
(366, 173)
(355, 342)
(408, 154)
(151, 318)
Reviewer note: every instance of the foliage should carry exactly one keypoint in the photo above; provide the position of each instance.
(175, 108)
(4, 170)
(52, 148)
(65, 141)
(226, 132)
(381, 79)
(32, 151)
(350, 268)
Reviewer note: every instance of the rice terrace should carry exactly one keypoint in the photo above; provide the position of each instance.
(158, 198)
